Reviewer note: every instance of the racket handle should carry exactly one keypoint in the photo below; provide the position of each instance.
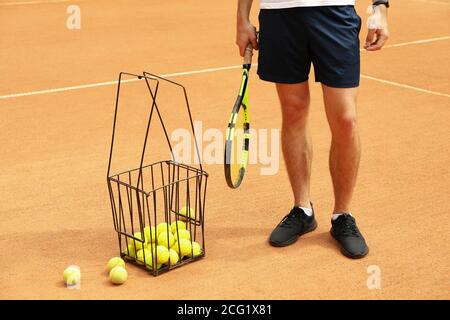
(248, 54)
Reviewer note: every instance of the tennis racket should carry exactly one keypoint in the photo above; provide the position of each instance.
(238, 130)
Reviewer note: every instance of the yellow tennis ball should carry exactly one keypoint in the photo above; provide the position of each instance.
(144, 255)
(173, 257)
(180, 225)
(162, 254)
(130, 251)
(184, 212)
(116, 261)
(182, 234)
(150, 246)
(196, 250)
(166, 239)
(162, 227)
(72, 275)
(183, 247)
(137, 244)
(150, 234)
(118, 275)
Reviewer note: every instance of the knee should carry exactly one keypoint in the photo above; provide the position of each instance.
(344, 127)
(295, 111)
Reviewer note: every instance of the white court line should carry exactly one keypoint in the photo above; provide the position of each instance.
(169, 75)
(114, 82)
(401, 85)
(18, 3)
(414, 42)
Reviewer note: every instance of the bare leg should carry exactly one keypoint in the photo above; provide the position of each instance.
(296, 139)
(345, 152)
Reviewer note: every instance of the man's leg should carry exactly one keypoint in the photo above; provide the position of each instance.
(345, 151)
(296, 139)
(297, 151)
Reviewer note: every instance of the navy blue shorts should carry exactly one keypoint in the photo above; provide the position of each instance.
(291, 39)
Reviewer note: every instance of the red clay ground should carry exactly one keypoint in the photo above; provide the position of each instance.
(55, 208)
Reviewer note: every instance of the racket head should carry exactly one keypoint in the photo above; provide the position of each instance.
(238, 137)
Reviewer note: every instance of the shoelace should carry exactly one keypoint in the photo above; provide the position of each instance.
(348, 227)
(289, 219)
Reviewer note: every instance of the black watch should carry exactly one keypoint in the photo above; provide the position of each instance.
(378, 2)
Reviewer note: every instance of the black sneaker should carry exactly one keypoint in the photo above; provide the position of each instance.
(347, 234)
(292, 227)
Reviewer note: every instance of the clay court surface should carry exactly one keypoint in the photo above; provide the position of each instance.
(55, 208)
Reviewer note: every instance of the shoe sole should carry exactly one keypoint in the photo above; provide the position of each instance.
(348, 254)
(295, 238)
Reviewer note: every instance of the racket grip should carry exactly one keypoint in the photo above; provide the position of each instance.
(248, 54)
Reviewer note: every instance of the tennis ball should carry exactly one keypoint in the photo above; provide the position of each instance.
(150, 234)
(183, 247)
(162, 254)
(118, 275)
(147, 259)
(72, 275)
(184, 212)
(130, 251)
(196, 250)
(166, 239)
(161, 227)
(150, 246)
(116, 261)
(180, 225)
(158, 266)
(137, 244)
(173, 257)
(182, 234)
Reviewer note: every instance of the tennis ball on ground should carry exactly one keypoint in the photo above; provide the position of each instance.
(196, 250)
(166, 239)
(182, 234)
(184, 212)
(183, 247)
(180, 225)
(173, 257)
(137, 244)
(116, 261)
(162, 254)
(150, 234)
(162, 227)
(118, 275)
(72, 275)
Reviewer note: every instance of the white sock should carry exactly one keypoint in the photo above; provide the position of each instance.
(336, 215)
(307, 211)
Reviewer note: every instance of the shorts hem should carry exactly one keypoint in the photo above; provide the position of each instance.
(339, 85)
(279, 79)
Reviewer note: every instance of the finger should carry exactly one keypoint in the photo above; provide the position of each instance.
(370, 37)
(241, 48)
(381, 40)
(254, 43)
(255, 40)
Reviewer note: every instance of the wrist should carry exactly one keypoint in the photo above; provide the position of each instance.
(384, 3)
(243, 22)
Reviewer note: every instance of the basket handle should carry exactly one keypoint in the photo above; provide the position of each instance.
(148, 75)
